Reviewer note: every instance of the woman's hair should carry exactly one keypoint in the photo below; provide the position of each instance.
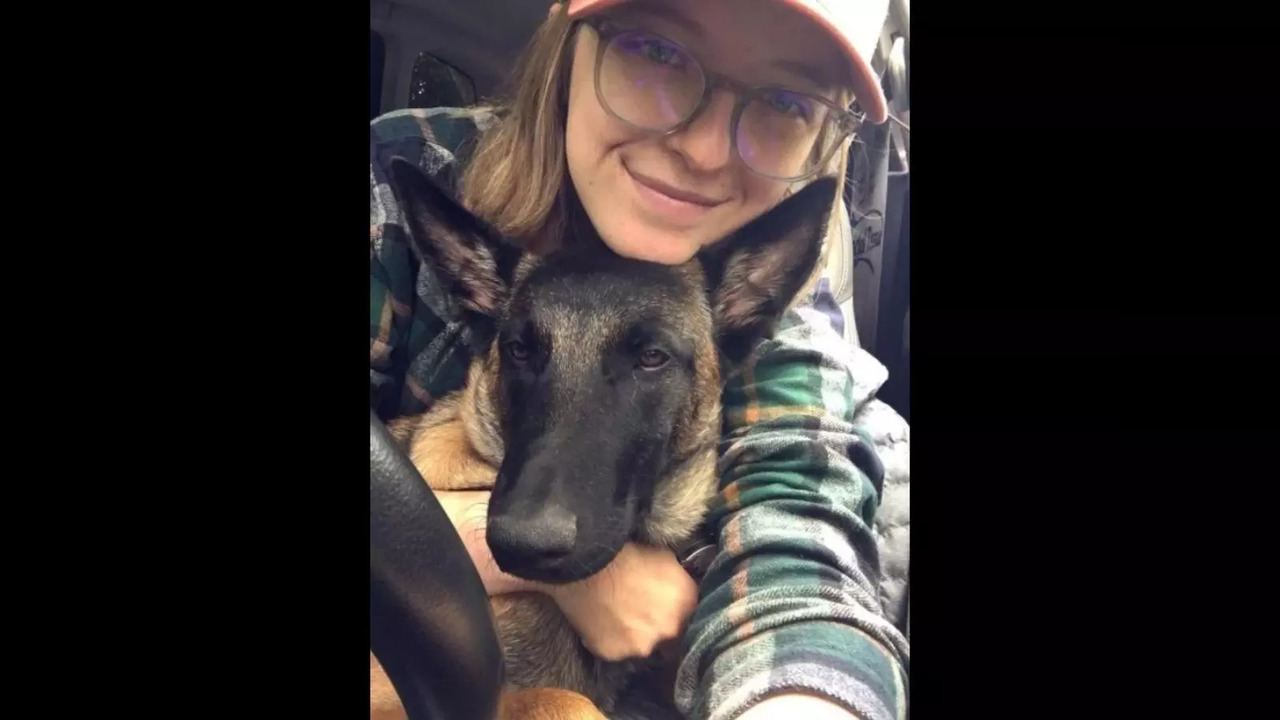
(516, 179)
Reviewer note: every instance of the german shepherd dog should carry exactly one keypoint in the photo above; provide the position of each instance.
(591, 408)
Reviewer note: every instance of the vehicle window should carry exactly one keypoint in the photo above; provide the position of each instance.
(436, 83)
(377, 61)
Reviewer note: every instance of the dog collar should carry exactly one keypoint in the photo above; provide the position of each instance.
(698, 560)
(696, 555)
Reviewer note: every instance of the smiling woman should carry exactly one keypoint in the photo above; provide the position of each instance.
(721, 154)
(660, 128)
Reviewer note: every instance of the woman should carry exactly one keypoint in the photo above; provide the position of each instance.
(606, 122)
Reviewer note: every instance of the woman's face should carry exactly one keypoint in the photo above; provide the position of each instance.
(661, 198)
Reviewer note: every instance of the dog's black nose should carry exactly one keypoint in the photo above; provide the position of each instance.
(533, 535)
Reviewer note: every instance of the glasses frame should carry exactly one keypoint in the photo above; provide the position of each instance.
(847, 122)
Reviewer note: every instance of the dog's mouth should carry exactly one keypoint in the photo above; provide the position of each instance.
(565, 570)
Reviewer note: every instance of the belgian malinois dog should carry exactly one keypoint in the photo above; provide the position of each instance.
(591, 407)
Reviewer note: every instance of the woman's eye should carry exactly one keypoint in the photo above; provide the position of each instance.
(789, 104)
(662, 54)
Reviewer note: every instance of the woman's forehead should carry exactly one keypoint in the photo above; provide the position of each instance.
(755, 41)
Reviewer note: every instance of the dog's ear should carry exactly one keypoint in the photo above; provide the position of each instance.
(468, 258)
(755, 273)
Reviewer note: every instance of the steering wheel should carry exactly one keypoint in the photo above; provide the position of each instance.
(429, 621)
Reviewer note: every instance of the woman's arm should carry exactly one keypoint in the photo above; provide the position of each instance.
(790, 606)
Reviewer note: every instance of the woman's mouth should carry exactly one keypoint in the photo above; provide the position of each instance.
(671, 202)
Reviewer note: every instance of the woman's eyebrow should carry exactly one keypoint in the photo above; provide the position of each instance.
(671, 15)
(813, 77)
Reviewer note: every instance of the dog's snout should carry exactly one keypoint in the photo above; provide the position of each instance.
(529, 535)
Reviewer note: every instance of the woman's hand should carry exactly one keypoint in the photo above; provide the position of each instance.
(639, 601)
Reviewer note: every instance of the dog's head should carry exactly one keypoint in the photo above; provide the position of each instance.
(605, 372)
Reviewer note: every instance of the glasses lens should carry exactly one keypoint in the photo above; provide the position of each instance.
(649, 81)
(785, 134)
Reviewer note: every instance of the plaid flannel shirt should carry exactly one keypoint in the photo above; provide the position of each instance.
(790, 601)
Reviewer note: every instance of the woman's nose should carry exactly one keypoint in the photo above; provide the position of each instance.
(704, 143)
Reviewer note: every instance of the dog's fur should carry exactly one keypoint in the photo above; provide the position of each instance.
(591, 407)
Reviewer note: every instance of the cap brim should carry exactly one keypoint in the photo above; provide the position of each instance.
(866, 86)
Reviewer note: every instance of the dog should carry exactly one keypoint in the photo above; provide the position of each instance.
(591, 409)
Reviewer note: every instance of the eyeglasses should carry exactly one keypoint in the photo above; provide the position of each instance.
(655, 84)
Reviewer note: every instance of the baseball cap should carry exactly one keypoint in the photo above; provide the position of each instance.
(855, 25)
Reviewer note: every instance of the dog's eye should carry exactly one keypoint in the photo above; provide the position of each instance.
(653, 359)
(518, 351)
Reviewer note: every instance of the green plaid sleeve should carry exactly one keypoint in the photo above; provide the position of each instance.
(414, 350)
(791, 601)
(391, 296)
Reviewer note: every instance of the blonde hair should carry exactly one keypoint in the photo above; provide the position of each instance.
(516, 179)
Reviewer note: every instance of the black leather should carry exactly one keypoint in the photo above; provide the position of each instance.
(429, 619)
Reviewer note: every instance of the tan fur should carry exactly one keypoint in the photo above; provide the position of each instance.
(479, 412)
(437, 444)
(547, 704)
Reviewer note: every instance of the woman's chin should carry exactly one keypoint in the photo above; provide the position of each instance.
(652, 246)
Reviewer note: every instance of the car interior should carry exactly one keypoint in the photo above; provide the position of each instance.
(431, 53)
